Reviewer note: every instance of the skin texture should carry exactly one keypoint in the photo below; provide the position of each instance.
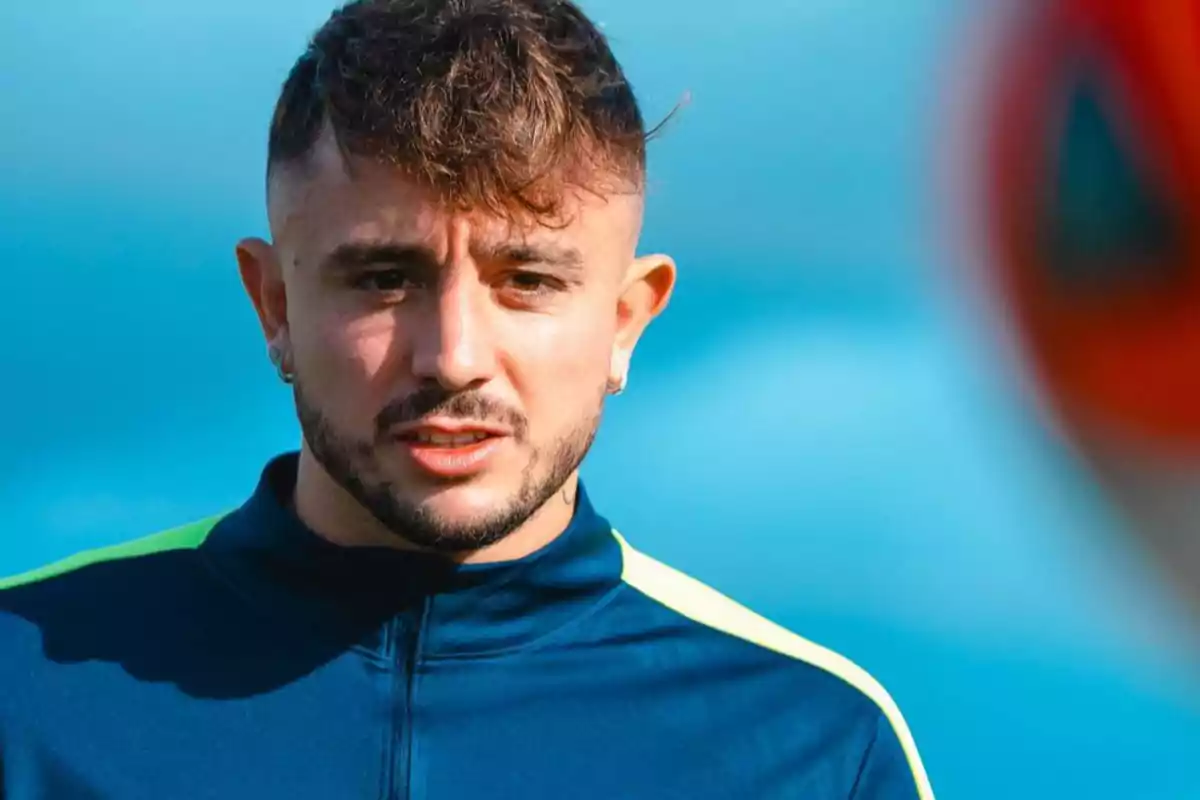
(391, 309)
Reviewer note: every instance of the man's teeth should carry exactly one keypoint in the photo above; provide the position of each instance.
(450, 439)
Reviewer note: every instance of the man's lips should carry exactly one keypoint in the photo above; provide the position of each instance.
(448, 449)
(448, 433)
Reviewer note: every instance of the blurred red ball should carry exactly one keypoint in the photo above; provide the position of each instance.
(1093, 209)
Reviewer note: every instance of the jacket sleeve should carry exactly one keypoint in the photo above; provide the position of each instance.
(888, 771)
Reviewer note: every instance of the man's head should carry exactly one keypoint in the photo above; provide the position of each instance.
(455, 193)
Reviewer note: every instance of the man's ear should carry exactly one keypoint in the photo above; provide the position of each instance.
(646, 291)
(262, 278)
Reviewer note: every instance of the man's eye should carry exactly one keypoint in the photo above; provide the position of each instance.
(530, 283)
(387, 280)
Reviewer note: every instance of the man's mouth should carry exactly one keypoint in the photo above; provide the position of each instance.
(448, 432)
(438, 438)
(457, 450)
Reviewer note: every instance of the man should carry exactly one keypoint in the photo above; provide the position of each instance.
(423, 602)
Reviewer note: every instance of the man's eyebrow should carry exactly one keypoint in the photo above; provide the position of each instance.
(354, 255)
(534, 253)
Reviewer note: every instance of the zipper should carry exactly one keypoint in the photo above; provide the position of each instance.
(388, 766)
(406, 775)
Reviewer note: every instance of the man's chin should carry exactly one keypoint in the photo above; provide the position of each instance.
(457, 518)
(460, 504)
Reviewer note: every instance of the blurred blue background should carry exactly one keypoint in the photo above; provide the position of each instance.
(819, 415)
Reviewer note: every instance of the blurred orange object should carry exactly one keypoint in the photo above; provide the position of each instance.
(1093, 210)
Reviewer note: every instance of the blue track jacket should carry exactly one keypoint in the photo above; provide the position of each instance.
(245, 657)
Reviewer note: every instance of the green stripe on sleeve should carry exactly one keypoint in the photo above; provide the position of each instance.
(184, 537)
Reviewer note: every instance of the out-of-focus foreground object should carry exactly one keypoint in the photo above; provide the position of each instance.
(1092, 222)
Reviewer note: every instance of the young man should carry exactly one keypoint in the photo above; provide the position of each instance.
(422, 602)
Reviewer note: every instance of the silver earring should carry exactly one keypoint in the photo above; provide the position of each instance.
(276, 356)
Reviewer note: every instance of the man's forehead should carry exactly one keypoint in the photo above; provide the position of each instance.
(363, 198)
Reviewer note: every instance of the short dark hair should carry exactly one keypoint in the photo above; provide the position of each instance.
(495, 104)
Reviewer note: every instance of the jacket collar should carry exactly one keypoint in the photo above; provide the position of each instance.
(461, 610)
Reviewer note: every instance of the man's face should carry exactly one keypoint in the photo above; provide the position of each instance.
(450, 368)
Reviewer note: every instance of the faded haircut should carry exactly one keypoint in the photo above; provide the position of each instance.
(493, 104)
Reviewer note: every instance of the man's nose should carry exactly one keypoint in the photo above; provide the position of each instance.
(453, 344)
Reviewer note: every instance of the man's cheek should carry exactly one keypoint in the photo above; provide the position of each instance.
(575, 373)
(375, 346)
(353, 350)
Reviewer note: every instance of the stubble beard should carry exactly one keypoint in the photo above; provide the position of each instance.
(354, 466)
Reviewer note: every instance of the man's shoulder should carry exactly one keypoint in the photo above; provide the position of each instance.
(68, 623)
(76, 591)
(183, 537)
(841, 685)
(707, 608)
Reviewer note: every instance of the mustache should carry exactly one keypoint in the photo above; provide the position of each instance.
(432, 400)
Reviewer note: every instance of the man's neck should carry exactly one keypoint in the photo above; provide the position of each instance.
(333, 514)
